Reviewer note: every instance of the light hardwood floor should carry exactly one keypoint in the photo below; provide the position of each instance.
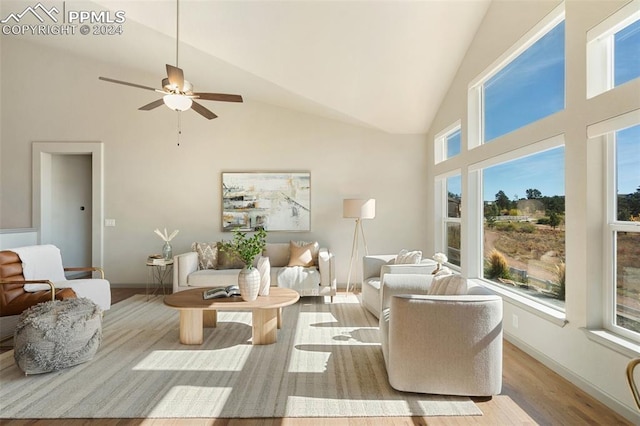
(531, 394)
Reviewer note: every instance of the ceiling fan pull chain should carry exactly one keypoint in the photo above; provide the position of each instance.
(179, 127)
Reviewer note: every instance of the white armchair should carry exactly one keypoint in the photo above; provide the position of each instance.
(374, 269)
(441, 344)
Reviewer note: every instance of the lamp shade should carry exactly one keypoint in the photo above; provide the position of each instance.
(359, 208)
(177, 102)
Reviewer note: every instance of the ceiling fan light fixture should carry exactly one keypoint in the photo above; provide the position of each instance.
(177, 102)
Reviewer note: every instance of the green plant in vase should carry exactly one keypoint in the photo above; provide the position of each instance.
(246, 249)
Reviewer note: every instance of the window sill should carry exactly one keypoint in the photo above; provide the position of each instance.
(541, 310)
(613, 342)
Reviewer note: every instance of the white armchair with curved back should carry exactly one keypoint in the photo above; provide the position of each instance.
(374, 270)
(441, 335)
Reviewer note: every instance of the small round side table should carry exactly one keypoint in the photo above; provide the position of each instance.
(157, 274)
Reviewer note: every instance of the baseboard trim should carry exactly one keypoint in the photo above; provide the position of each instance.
(134, 286)
(627, 412)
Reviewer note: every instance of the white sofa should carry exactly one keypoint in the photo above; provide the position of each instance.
(449, 344)
(317, 280)
(374, 268)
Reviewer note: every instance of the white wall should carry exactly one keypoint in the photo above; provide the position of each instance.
(151, 182)
(592, 366)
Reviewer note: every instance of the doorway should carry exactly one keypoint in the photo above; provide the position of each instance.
(68, 199)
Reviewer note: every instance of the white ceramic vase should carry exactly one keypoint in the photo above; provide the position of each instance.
(249, 283)
(264, 268)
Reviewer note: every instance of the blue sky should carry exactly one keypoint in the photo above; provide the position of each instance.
(628, 156)
(543, 171)
(531, 87)
(627, 57)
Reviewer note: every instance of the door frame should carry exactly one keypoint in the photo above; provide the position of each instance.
(41, 215)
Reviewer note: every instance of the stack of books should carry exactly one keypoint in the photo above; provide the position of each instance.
(156, 259)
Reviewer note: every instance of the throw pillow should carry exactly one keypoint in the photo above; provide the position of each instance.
(301, 255)
(408, 257)
(278, 254)
(315, 249)
(451, 284)
(207, 254)
(228, 260)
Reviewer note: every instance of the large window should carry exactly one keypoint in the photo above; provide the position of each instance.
(529, 88)
(624, 230)
(523, 232)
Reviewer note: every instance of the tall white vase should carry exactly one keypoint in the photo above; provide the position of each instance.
(249, 283)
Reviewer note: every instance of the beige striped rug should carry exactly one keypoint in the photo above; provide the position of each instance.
(327, 363)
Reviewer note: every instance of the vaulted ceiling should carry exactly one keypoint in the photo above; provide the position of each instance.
(380, 64)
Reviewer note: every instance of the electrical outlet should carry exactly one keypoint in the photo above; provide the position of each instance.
(109, 222)
(514, 321)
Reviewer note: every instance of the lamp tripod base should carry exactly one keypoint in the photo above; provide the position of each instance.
(358, 230)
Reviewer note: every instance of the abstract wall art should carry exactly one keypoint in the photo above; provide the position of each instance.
(275, 201)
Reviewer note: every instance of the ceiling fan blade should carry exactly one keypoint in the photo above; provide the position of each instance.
(152, 105)
(203, 111)
(176, 76)
(111, 80)
(219, 97)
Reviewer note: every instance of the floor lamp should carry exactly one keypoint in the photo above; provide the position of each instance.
(358, 209)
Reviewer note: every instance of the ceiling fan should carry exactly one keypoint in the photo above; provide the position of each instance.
(178, 92)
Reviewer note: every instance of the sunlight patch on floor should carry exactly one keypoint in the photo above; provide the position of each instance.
(192, 360)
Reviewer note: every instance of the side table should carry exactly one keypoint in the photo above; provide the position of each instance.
(157, 274)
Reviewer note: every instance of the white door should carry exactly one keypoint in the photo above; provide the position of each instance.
(71, 212)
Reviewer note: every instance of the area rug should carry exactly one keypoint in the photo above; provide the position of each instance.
(327, 362)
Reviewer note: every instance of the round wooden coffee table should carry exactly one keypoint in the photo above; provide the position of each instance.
(197, 312)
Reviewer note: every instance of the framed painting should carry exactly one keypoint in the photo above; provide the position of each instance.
(274, 201)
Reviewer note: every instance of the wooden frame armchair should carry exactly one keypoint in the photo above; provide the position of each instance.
(14, 298)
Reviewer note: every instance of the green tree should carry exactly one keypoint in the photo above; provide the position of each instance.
(554, 203)
(628, 205)
(532, 194)
(502, 201)
(554, 220)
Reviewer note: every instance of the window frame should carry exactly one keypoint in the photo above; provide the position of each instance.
(600, 48)
(440, 142)
(442, 214)
(611, 225)
(477, 223)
